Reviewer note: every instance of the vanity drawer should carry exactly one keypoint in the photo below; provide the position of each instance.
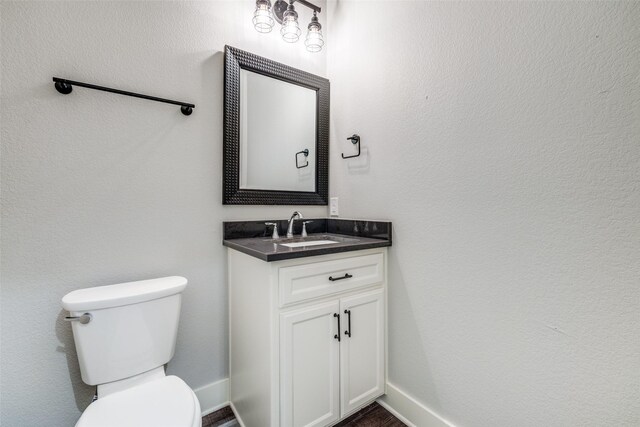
(317, 279)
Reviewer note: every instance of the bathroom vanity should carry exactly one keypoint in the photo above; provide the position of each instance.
(307, 322)
(306, 313)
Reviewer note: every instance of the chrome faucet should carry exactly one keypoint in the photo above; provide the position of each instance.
(294, 216)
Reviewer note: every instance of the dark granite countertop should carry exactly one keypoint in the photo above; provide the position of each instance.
(253, 237)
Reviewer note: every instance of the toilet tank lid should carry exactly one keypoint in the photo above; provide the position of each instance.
(123, 293)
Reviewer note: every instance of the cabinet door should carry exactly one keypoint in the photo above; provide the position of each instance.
(362, 349)
(309, 366)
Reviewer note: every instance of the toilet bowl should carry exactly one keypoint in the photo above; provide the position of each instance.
(166, 402)
(124, 335)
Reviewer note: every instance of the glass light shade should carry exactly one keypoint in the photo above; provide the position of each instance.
(262, 18)
(314, 40)
(290, 30)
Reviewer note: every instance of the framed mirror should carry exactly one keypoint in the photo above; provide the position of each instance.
(276, 133)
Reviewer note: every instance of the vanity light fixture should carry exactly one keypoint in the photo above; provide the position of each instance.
(262, 18)
(290, 30)
(286, 15)
(314, 39)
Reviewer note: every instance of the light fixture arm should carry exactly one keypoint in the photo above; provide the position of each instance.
(309, 5)
(280, 6)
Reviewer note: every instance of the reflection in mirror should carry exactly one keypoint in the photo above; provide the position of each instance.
(277, 130)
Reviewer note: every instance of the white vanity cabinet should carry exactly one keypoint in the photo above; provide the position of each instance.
(307, 337)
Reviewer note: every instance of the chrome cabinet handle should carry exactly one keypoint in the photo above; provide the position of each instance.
(84, 319)
(346, 276)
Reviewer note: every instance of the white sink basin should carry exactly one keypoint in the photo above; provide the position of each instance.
(310, 243)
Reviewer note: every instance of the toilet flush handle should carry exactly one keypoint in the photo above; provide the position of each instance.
(84, 319)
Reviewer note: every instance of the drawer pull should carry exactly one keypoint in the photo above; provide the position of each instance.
(348, 313)
(346, 276)
(337, 336)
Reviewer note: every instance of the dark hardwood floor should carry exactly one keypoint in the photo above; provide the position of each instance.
(373, 415)
(223, 417)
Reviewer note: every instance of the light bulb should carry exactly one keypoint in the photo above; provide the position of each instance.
(262, 18)
(314, 41)
(290, 30)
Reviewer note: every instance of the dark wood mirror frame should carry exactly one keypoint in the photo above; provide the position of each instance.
(232, 194)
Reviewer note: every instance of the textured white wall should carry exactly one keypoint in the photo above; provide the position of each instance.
(98, 188)
(503, 141)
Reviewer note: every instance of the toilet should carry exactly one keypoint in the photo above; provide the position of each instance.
(124, 336)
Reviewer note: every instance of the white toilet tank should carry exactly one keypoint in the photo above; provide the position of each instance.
(132, 330)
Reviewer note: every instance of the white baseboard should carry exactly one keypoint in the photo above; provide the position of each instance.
(213, 396)
(409, 410)
(238, 419)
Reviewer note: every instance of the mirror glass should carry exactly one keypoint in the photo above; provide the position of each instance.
(277, 134)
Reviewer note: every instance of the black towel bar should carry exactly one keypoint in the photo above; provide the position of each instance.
(65, 87)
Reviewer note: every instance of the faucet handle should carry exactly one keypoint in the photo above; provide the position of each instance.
(275, 234)
(304, 228)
